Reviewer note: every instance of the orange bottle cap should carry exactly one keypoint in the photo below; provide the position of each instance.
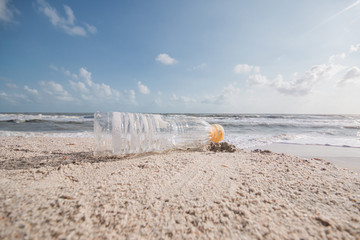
(216, 133)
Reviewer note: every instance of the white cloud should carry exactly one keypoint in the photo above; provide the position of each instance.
(69, 74)
(86, 76)
(14, 99)
(92, 91)
(224, 97)
(7, 98)
(79, 86)
(74, 76)
(11, 85)
(51, 87)
(7, 12)
(53, 67)
(245, 68)
(165, 59)
(257, 80)
(91, 28)
(354, 48)
(174, 97)
(198, 67)
(142, 88)
(82, 92)
(69, 12)
(351, 75)
(56, 90)
(75, 30)
(98, 90)
(67, 23)
(158, 100)
(185, 99)
(336, 57)
(182, 99)
(305, 84)
(298, 85)
(130, 96)
(65, 71)
(31, 90)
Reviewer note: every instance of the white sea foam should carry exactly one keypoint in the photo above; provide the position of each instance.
(19, 118)
(297, 121)
(47, 134)
(250, 141)
(255, 140)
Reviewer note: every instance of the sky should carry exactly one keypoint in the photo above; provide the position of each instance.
(203, 56)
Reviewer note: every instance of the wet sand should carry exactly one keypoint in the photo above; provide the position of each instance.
(344, 157)
(55, 188)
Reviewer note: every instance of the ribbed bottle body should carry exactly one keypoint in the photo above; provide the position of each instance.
(119, 133)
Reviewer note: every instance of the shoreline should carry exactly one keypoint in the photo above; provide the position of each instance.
(56, 188)
(344, 157)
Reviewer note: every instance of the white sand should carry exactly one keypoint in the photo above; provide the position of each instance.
(55, 188)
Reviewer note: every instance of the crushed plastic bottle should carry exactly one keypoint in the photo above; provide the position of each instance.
(119, 133)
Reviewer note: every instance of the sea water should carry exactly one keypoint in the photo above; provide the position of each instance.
(242, 130)
(47, 124)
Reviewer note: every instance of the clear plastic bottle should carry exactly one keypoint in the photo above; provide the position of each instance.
(119, 133)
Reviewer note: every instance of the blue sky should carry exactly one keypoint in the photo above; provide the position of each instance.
(180, 56)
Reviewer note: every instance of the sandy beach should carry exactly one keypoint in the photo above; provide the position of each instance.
(53, 188)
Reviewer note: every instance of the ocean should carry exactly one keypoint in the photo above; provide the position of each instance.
(242, 130)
